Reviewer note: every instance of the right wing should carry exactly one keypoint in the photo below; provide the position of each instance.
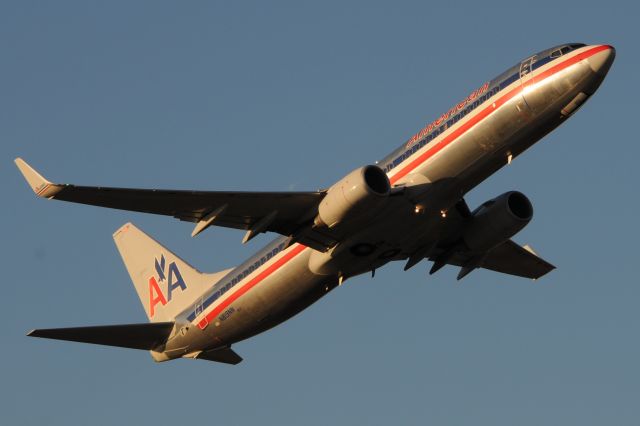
(281, 212)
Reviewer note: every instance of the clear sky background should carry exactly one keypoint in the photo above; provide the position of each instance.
(292, 96)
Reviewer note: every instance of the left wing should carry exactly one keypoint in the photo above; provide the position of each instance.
(281, 212)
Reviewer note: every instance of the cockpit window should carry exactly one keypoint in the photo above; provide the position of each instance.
(565, 49)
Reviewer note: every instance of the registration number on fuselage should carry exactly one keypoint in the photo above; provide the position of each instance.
(226, 314)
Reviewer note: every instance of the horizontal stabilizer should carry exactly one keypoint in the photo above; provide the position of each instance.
(225, 355)
(136, 336)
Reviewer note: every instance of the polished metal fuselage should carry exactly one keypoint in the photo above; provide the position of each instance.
(427, 182)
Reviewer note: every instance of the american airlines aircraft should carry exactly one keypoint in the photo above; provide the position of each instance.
(409, 206)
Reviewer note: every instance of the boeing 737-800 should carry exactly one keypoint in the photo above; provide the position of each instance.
(409, 207)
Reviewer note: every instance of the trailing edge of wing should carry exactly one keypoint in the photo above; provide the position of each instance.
(239, 210)
(136, 336)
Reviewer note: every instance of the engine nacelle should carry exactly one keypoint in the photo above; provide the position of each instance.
(362, 191)
(497, 220)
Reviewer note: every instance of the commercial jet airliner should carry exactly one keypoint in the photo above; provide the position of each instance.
(408, 207)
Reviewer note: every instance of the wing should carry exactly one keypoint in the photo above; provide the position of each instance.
(508, 258)
(281, 212)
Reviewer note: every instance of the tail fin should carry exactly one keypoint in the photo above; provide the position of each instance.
(166, 284)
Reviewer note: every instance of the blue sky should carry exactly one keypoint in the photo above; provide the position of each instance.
(293, 95)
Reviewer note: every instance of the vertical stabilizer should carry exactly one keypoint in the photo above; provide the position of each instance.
(165, 283)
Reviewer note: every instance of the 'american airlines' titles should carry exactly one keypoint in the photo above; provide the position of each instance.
(460, 105)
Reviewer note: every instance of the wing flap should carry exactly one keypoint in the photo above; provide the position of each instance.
(136, 336)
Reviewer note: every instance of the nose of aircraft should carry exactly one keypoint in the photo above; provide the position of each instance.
(601, 61)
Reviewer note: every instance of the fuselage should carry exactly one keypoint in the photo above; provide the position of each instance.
(448, 157)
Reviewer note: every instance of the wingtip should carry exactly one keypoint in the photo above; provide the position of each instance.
(39, 185)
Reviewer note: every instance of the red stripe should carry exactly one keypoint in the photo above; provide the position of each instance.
(574, 59)
(248, 286)
(488, 110)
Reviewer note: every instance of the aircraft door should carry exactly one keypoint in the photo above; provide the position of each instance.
(526, 67)
(531, 97)
(524, 112)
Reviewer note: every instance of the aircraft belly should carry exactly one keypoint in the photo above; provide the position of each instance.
(270, 302)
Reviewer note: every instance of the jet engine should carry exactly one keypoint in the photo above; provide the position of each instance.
(497, 220)
(354, 196)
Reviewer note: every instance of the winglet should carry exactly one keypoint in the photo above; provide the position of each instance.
(40, 186)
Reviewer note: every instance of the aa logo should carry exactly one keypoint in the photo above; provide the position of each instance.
(173, 279)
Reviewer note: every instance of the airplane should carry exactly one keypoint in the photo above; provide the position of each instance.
(409, 207)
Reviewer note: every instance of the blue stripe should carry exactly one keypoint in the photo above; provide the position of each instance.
(234, 277)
